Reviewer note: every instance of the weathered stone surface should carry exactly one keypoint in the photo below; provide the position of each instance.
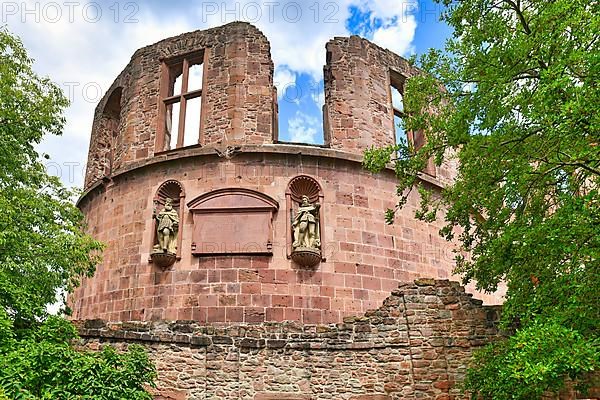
(363, 259)
(356, 276)
(392, 353)
(384, 355)
(238, 108)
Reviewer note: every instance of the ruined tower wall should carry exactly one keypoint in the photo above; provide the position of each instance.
(234, 314)
(236, 323)
(358, 111)
(365, 258)
(357, 93)
(237, 101)
(362, 258)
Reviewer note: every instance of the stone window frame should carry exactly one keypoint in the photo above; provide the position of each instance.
(170, 69)
(397, 80)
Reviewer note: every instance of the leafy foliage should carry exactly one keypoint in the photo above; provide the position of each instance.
(514, 99)
(534, 360)
(43, 252)
(42, 244)
(44, 365)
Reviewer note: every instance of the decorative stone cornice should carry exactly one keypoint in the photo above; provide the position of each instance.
(267, 149)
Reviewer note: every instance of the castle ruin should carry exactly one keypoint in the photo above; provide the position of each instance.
(253, 268)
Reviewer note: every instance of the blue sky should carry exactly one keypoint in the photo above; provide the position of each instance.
(84, 45)
(298, 98)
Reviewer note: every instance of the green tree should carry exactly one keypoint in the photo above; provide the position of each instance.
(514, 98)
(43, 253)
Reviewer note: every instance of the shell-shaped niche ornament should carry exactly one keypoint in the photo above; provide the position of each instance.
(167, 224)
(304, 194)
(304, 185)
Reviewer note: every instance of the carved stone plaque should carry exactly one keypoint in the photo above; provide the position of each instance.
(232, 221)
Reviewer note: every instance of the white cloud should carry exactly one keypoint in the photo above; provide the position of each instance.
(296, 30)
(283, 78)
(319, 98)
(83, 56)
(303, 128)
(389, 9)
(397, 36)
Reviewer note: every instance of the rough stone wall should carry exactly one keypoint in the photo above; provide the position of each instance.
(365, 258)
(240, 99)
(358, 105)
(415, 346)
(357, 93)
(100, 160)
(238, 88)
(104, 142)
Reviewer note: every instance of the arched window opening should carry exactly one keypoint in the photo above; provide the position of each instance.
(112, 121)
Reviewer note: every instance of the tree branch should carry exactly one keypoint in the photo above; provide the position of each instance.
(517, 9)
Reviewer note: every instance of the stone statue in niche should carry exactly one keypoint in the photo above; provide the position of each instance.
(306, 245)
(167, 228)
(306, 225)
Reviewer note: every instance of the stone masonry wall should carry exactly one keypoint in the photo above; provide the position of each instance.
(357, 93)
(238, 88)
(415, 346)
(240, 98)
(365, 258)
(100, 160)
(358, 104)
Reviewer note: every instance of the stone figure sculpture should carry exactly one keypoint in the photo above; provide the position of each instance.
(306, 226)
(167, 228)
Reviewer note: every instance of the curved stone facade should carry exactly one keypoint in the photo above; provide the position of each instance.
(228, 277)
(238, 106)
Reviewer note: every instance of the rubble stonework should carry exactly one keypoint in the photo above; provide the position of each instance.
(415, 346)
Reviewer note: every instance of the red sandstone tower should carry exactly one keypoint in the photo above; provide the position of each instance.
(193, 119)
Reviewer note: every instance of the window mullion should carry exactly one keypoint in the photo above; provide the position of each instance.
(183, 103)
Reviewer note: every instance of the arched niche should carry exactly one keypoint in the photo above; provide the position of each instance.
(299, 186)
(102, 152)
(175, 191)
(110, 123)
(233, 221)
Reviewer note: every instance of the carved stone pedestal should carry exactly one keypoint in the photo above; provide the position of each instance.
(306, 256)
(163, 260)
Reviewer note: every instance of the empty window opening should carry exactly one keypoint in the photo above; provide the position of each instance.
(111, 121)
(402, 137)
(182, 101)
(300, 103)
(410, 141)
